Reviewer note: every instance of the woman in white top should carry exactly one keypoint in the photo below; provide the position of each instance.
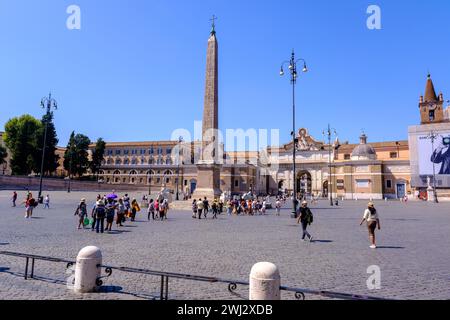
(373, 221)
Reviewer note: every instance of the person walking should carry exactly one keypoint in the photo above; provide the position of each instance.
(110, 214)
(278, 206)
(100, 214)
(157, 208)
(205, 207)
(81, 212)
(93, 216)
(134, 209)
(215, 208)
(229, 208)
(373, 221)
(162, 209)
(120, 213)
(306, 219)
(194, 209)
(47, 202)
(151, 210)
(199, 208)
(14, 199)
(166, 208)
(30, 204)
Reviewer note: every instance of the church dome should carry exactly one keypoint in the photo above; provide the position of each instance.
(364, 151)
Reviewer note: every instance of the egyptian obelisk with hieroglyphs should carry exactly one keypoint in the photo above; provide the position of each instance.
(208, 178)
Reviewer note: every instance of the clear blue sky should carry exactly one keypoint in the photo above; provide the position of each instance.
(135, 70)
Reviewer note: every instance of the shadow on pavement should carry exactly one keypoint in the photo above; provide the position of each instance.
(322, 241)
(4, 243)
(389, 247)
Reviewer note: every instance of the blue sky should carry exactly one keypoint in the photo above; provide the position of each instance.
(135, 70)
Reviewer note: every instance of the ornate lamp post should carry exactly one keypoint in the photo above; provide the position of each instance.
(433, 136)
(46, 103)
(293, 72)
(329, 132)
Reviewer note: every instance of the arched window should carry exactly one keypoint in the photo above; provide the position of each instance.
(126, 161)
(118, 161)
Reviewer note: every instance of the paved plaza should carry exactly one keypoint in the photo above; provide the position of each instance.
(414, 253)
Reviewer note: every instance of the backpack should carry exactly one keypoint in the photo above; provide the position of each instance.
(309, 217)
(100, 212)
(33, 203)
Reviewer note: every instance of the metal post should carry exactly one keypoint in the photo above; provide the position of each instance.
(48, 103)
(329, 166)
(43, 156)
(32, 268)
(293, 72)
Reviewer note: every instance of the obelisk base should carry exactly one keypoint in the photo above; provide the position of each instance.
(208, 182)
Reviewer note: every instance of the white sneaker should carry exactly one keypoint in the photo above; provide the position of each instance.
(373, 247)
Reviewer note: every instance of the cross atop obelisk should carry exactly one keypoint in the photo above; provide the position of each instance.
(213, 20)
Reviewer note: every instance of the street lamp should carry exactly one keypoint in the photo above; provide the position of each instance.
(180, 140)
(329, 132)
(433, 136)
(293, 72)
(46, 103)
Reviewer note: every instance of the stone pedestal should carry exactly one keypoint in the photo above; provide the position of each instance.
(430, 194)
(208, 181)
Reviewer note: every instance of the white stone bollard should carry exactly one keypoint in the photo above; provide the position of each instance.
(86, 270)
(264, 282)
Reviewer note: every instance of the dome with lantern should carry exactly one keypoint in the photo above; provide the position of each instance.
(364, 151)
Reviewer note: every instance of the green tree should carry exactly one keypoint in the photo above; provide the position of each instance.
(20, 139)
(3, 155)
(97, 156)
(50, 158)
(76, 160)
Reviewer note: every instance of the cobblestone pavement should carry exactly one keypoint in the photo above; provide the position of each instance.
(414, 253)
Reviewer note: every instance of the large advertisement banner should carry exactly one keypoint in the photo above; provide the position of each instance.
(439, 154)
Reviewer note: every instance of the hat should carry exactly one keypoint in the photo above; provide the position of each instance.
(305, 202)
(83, 200)
(370, 204)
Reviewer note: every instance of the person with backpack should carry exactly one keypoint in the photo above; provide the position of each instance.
(94, 219)
(215, 208)
(373, 221)
(205, 207)
(134, 209)
(81, 212)
(306, 219)
(151, 210)
(110, 214)
(100, 214)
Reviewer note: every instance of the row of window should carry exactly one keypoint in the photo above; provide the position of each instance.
(150, 151)
(168, 161)
(392, 155)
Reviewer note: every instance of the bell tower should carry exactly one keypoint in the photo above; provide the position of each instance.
(431, 106)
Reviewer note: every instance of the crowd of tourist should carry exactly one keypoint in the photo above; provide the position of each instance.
(114, 209)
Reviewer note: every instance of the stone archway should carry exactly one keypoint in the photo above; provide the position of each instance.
(304, 182)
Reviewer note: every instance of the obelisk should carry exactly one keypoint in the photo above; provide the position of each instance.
(208, 168)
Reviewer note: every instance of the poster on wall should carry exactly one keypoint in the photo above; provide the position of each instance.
(439, 154)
